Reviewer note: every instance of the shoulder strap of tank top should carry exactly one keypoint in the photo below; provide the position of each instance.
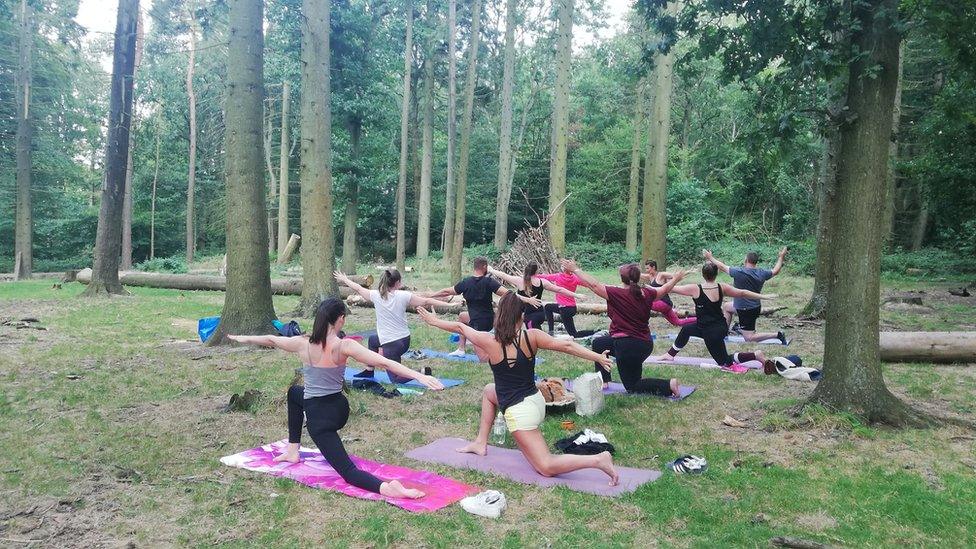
(528, 343)
(720, 297)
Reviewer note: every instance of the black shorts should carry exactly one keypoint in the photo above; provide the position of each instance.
(747, 318)
(482, 324)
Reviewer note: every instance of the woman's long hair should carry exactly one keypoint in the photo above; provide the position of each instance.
(388, 280)
(531, 268)
(508, 318)
(630, 276)
(326, 315)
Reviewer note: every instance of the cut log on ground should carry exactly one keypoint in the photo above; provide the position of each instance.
(290, 248)
(197, 282)
(10, 277)
(939, 347)
(357, 300)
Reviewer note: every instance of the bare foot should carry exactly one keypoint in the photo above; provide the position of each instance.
(666, 357)
(605, 464)
(606, 385)
(393, 489)
(675, 388)
(290, 454)
(480, 448)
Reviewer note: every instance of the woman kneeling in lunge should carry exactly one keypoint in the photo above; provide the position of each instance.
(324, 355)
(511, 354)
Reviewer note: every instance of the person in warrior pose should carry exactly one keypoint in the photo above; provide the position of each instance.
(564, 305)
(655, 279)
(511, 353)
(392, 337)
(321, 401)
(749, 277)
(530, 285)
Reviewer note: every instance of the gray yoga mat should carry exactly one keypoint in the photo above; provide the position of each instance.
(700, 362)
(512, 465)
(618, 389)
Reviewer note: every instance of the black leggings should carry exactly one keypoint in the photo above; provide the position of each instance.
(393, 350)
(566, 314)
(326, 415)
(714, 337)
(630, 353)
(535, 319)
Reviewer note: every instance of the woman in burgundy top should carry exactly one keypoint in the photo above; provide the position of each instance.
(629, 309)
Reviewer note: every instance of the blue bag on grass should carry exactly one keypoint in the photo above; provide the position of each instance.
(206, 327)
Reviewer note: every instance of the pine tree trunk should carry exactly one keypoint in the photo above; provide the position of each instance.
(427, 157)
(108, 236)
(560, 125)
(283, 228)
(852, 378)
(24, 228)
(192, 154)
(318, 238)
(505, 131)
(401, 196)
(447, 238)
(248, 308)
(654, 229)
(350, 252)
(152, 200)
(467, 119)
(126, 260)
(635, 172)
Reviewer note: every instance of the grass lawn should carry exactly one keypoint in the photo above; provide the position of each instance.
(112, 430)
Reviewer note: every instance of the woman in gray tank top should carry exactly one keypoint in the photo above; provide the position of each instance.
(324, 355)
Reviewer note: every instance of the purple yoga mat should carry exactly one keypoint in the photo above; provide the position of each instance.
(618, 389)
(512, 465)
(700, 362)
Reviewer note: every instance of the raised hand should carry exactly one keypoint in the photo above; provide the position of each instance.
(569, 265)
(340, 276)
(425, 315)
(606, 362)
(782, 253)
(707, 254)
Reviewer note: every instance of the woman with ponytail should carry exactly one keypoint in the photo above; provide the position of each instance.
(324, 355)
(511, 353)
(629, 308)
(392, 338)
(529, 285)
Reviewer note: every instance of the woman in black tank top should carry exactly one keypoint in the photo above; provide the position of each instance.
(531, 286)
(511, 353)
(710, 324)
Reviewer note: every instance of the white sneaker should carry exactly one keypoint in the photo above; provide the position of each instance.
(489, 503)
(456, 352)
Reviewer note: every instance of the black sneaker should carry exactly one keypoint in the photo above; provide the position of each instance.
(368, 374)
(427, 371)
(735, 329)
(782, 338)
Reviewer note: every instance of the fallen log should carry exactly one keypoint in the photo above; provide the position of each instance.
(938, 347)
(291, 286)
(10, 277)
(356, 300)
(289, 250)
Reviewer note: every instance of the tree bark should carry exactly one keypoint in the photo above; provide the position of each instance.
(126, 260)
(447, 239)
(318, 238)
(284, 157)
(191, 99)
(108, 236)
(936, 347)
(560, 125)
(350, 251)
(852, 378)
(826, 223)
(505, 131)
(633, 191)
(272, 179)
(892, 173)
(401, 196)
(24, 227)
(427, 156)
(152, 200)
(248, 308)
(464, 154)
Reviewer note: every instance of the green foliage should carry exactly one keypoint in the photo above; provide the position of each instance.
(175, 264)
(600, 255)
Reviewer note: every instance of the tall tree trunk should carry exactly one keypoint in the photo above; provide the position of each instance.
(826, 221)
(248, 308)
(427, 157)
(108, 237)
(447, 239)
(24, 228)
(505, 131)
(852, 378)
(350, 252)
(283, 154)
(560, 125)
(272, 180)
(654, 228)
(318, 238)
(191, 99)
(467, 120)
(635, 172)
(921, 227)
(892, 173)
(401, 196)
(152, 200)
(126, 260)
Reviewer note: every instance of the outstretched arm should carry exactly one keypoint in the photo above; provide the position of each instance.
(363, 355)
(290, 344)
(684, 289)
(542, 340)
(732, 291)
(669, 285)
(509, 279)
(586, 279)
(559, 289)
(709, 257)
(421, 301)
(343, 279)
(444, 293)
(478, 339)
(779, 261)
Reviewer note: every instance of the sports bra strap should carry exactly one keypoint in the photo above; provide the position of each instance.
(528, 343)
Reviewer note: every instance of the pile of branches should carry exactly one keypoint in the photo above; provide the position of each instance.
(532, 244)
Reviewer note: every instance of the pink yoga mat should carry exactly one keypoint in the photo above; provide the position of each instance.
(618, 389)
(313, 471)
(700, 362)
(511, 464)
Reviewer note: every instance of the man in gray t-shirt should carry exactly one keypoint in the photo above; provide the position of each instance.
(752, 278)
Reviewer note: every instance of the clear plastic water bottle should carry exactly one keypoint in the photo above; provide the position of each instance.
(498, 431)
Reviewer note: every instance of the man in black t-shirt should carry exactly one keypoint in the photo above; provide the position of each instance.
(477, 291)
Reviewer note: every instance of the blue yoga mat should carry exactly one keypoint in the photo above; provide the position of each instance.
(468, 357)
(380, 376)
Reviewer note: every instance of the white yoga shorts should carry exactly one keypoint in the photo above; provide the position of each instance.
(526, 415)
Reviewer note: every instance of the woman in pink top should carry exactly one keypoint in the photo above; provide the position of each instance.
(564, 305)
